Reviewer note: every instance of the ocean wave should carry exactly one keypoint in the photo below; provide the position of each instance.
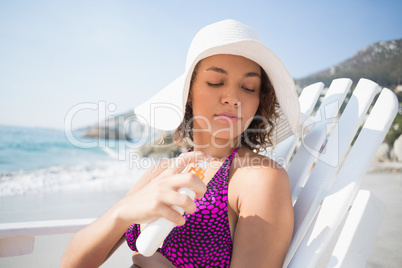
(99, 176)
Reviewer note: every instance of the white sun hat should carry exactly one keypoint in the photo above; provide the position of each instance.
(165, 110)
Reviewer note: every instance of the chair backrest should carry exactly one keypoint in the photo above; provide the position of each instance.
(308, 99)
(325, 171)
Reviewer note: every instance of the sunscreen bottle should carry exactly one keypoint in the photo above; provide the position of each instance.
(155, 232)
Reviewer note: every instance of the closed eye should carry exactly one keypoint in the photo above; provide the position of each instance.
(221, 84)
(249, 90)
(214, 85)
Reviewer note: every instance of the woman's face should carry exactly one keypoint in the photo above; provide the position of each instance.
(225, 95)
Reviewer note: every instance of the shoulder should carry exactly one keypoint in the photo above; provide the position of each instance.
(253, 167)
(258, 178)
(155, 170)
(161, 165)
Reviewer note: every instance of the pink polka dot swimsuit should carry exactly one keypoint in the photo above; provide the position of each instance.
(204, 240)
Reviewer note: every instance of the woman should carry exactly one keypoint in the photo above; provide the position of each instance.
(234, 99)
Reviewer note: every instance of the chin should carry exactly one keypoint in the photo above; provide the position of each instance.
(226, 136)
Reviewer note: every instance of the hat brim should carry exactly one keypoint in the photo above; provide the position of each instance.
(165, 110)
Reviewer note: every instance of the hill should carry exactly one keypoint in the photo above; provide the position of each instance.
(380, 62)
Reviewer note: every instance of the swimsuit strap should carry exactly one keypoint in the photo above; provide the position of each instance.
(229, 160)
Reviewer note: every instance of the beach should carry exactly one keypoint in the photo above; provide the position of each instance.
(386, 251)
(386, 185)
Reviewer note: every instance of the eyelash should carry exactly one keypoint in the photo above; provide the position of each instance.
(214, 85)
(249, 90)
(221, 84)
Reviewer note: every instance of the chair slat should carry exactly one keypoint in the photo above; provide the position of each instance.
(306, 155)
(42, 227)
(323, 174)
(347, 182)
(359, 232)
(308, 99)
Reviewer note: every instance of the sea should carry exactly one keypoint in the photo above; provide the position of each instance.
(41, 160)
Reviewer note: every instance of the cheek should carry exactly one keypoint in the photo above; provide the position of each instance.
(201, 118)
(252, 106)
(197, 107)
(250, 111)
(201, 107)
(202, 101)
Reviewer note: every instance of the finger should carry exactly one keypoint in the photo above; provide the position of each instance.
(183, 160)
(188, 180)
(175, 199)
(172, 215)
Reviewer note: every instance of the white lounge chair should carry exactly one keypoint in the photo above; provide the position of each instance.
(19, 238)
(335, 222)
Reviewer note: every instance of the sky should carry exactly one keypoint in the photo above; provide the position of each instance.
(76, 62)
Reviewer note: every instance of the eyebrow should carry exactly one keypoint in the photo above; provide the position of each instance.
(217, 69)
(222, 71)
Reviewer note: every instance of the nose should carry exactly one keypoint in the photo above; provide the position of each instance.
(230, 96)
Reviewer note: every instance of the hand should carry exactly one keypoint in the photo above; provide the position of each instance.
(156, 199)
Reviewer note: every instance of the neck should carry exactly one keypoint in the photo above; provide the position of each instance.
(217, 148)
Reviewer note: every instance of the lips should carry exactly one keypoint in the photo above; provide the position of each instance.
(228, 117)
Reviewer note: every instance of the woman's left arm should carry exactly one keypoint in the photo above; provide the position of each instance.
(265, 223)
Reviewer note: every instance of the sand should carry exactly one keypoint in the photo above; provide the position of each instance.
(386, 251)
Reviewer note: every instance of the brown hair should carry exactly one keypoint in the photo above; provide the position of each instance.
(258, 135)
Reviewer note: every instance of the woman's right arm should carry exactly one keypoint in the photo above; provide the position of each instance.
(151, 198)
